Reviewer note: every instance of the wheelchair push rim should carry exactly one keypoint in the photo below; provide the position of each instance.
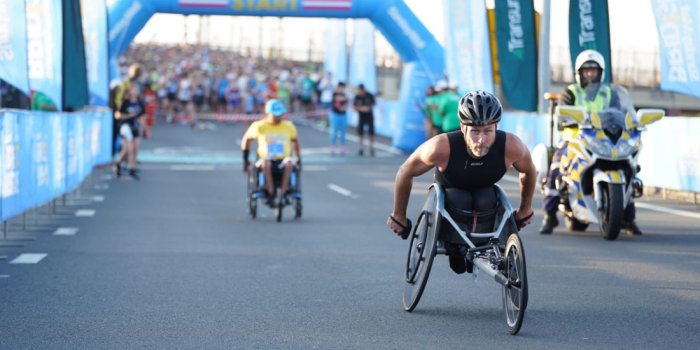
(515, 295)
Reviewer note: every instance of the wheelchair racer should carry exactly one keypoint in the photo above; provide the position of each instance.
(275, 138)
(472, 158)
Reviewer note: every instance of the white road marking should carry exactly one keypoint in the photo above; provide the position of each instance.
(4, 276)
(342, 191)
(28, 258)
(98, 198)
(101, 187)
(85, 212)
(648, 206)
(667, 210)
(192, 167)
(66, 231)
(314, 167)
(106, 177)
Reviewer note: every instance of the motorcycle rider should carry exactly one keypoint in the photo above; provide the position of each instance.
(588, 92)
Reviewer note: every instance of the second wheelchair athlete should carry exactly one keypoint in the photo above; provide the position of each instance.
(276, 138)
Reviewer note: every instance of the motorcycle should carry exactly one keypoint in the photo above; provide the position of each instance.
(598, 168)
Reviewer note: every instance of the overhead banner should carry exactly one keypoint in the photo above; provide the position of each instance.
(94, 14)
(335, 58)
(679, 45)
(467, 49)
(362, 67)
(517, 52)
(589, 28)
(13, 44)
(44, 48)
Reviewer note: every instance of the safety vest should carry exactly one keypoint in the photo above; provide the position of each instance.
(599, 103)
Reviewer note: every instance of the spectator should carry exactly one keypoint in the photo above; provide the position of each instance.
(364, 103)
(338, 120)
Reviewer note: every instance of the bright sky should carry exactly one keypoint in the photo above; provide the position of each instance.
(633, 29)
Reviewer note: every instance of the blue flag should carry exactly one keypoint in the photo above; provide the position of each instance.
(467, 47)
(13, 44)
(679, 45)
(335, 59)
(45, 49)
(362, 68)
(94, 15)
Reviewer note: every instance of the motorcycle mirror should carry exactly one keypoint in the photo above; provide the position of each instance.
(647, 116)
(576, 113)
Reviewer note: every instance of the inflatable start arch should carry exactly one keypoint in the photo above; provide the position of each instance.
(422, 55)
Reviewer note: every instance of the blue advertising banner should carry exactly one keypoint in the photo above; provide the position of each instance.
(335, 58)
(517, 52)
(13, 157)
(679, 44)
(409, 130)
(362, 66)
(44, 48)
(467, 46)
(13, 44)
(94, 15)
(589, 28)
(57, 139)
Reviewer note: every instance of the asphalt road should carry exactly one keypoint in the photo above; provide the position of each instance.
(174, 261)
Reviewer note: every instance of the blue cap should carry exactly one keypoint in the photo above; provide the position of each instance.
(276, 107)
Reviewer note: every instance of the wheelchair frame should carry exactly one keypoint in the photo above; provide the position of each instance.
(505, 266)
(256, 191)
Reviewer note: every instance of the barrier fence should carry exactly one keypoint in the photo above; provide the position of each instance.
(47, 154)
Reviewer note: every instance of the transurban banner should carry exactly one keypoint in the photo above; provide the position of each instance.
(679, 44)
(45, 48)
(94, 15)
(589, 29)
(13, 45)
(467, 50)
(517, 52)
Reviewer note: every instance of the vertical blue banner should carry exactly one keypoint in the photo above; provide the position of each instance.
(71, 154)
(335, 60)
(94, 14)
(362, 67)
(408, 126)
(467, 47)
(13, 44)
(589, 28)
(57, 126)
(12, 159)
(44, 48)
(517, 52)
(679, 45)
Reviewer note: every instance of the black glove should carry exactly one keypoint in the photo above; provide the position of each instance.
(246, 166)
(520, 223)
(405, 230)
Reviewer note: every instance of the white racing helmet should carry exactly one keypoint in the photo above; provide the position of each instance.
(587, 59)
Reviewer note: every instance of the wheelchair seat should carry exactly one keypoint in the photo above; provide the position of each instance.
(472, 210)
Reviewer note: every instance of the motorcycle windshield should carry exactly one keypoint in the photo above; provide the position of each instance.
(612, 122)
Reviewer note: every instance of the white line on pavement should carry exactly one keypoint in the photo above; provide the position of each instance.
(98, 198)
(28, 258)
(667, 210)
(342, 191)
(192, 167)
(66, 231)
(101, 187)
(648, 206)
(85, 212)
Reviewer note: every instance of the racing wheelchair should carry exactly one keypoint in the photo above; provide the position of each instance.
(488, 238)
(257, 191)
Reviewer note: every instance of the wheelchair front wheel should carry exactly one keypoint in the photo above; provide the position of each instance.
(515, 295)
(421, 253)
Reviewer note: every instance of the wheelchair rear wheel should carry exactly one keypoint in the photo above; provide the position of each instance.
(515, 295)
(252, 187)
(421, 252)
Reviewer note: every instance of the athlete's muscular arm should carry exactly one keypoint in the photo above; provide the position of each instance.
(432, 153)
(518, 156)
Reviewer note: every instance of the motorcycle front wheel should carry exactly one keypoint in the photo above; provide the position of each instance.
(610, 215)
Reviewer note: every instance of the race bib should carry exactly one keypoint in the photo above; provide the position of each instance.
(275, 150)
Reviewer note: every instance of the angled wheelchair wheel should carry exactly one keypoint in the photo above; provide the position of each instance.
(515, 295)
(297, 208)
(279, 207)
(421, 252)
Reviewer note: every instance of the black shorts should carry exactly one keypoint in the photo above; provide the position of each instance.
(365, 120)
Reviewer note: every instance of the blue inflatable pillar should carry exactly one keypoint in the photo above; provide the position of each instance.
(409, 128)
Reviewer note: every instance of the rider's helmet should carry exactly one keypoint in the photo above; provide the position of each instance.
(589, 59)
(275, 107)
(478, 108)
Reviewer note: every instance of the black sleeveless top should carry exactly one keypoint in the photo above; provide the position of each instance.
(468, 173)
